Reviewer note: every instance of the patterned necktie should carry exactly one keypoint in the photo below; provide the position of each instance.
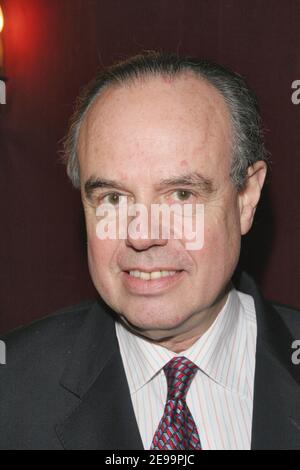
(177, 428)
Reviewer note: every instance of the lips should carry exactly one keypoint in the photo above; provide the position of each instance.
(150, 276)
(149, 270)
(140, 281)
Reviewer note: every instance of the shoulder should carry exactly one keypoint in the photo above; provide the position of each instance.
(31, 398)
(46, 341)
(290, 316)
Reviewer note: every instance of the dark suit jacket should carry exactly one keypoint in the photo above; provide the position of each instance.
(64, 386)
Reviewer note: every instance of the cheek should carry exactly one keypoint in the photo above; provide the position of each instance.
(100, 254)
(221, 247)
(99, 251)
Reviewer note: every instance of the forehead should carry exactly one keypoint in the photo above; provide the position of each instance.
(156, 122)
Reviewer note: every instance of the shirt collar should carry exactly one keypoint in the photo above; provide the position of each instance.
(219, 353)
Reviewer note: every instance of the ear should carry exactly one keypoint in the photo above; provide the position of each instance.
(249, 196)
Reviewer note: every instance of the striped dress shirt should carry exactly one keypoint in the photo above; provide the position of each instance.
(220, 397)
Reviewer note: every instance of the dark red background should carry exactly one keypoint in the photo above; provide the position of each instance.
(52, 48)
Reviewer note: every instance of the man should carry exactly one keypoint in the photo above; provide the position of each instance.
(178, 353)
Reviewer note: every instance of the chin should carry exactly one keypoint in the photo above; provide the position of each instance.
(152, 322)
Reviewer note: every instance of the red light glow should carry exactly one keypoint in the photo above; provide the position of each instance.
(1, 20)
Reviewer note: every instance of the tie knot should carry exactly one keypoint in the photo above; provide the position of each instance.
(180, 372)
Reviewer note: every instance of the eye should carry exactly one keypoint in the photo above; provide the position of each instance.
(113, 198)
(183, 195)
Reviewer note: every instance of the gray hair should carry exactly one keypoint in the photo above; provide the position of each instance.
(247, 140)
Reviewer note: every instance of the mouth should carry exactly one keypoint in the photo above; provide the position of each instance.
(151, 281)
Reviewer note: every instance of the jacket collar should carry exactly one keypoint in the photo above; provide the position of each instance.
(276, 411)
(103, 417)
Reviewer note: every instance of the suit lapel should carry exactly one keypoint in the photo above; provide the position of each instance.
(103, 417)
(276, 409)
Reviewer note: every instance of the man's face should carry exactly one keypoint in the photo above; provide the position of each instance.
(143, 137)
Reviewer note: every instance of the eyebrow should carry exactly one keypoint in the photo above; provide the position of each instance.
(94, 183)
(191, 180)
(194, 180)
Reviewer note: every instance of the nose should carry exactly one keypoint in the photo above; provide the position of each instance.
(140, 236)
(142, 244)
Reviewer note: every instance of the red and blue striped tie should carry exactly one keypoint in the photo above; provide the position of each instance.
(177, 429)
